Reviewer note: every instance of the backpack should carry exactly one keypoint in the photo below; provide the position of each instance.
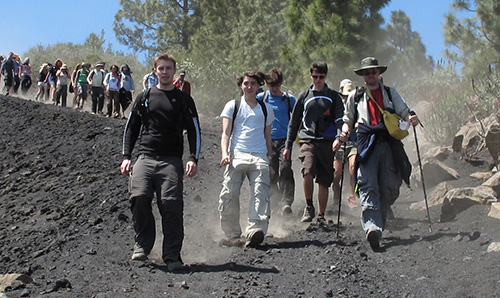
(237, 103)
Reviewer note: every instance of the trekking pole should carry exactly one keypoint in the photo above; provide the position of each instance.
(422, 173)
(341, 187)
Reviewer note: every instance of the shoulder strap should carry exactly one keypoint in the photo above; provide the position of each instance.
(388, 90)
(264, 110)
(288, 104)
(237, 103)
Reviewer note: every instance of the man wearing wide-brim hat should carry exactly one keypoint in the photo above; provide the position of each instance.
(378, 152)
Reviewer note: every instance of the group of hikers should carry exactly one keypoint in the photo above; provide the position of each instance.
(113, 87)
(258, 133)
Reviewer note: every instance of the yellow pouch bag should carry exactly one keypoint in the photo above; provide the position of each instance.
(391, 121)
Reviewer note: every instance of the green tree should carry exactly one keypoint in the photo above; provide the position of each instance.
(474, 41)
(339, 32)
(405, 53)
(155, 26)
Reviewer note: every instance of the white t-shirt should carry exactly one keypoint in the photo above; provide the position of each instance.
(248, 129)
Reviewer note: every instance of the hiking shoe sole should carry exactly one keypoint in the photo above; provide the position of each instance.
(287, 210)
(374, 239)
(255, 238)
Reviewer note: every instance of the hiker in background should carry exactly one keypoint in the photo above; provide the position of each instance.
(82, 84)
(43, 87)
(127, 87)
(150, 80)
(73, 88)
(316, 120)
(8, 72)
(63, 77)
(157, 120)
(112, 82)
(95, 80)
(51, 78)
(351, 149)
(25, 74)
(181, 83)
(381, 163)
(17, 79)
(283, 183)
(246, 149)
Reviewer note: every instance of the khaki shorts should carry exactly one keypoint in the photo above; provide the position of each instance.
(351, 148)
(317, 160)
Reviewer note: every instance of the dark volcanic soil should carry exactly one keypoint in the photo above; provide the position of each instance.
(66, 223)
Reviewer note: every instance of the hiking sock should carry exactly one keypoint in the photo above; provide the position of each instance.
(309, 202)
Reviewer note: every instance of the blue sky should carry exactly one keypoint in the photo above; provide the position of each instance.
(56, 21)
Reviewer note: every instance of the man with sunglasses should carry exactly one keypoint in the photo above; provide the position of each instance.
(316, 120)
(382, 163)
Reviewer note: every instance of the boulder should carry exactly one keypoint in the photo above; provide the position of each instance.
(435, 198)
(494, 182)
(466, 137)
(459, 199)
(6, 280)
(435, 172)
(481, 175)
(437, 153)
(495, 210)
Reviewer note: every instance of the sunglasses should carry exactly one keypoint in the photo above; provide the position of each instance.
(318, 77)
(370, 72)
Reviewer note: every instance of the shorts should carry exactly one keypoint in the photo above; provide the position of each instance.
(42, 84)
(351, 148)
(317, 160)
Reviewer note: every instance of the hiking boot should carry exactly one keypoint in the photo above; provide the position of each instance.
(286, 210)
(321, 220)
(174, 265)
(232, 242)
(139, 254)
(255, 238)
(308, 214)
(373, 238)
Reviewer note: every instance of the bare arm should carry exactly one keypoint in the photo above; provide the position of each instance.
(227, 127)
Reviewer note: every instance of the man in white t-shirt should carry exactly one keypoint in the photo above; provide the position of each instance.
(246, 149)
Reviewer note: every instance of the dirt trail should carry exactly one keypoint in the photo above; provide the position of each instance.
(66, 223)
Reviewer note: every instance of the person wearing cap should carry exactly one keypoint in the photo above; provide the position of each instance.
(379, 174)
(316, 120)
(95, 80)
(82, 84)
(25, 75)
(63, 77)
(351, 150)
(181, 83)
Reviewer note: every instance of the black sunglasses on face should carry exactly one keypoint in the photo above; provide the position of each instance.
(318, 77)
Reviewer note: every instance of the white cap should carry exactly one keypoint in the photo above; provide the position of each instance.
(344, 82)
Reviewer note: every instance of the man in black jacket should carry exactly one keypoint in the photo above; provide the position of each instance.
(316, 121)
(159, 116)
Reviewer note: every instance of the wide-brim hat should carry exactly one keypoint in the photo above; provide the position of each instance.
(370, 63)
(99, 64)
